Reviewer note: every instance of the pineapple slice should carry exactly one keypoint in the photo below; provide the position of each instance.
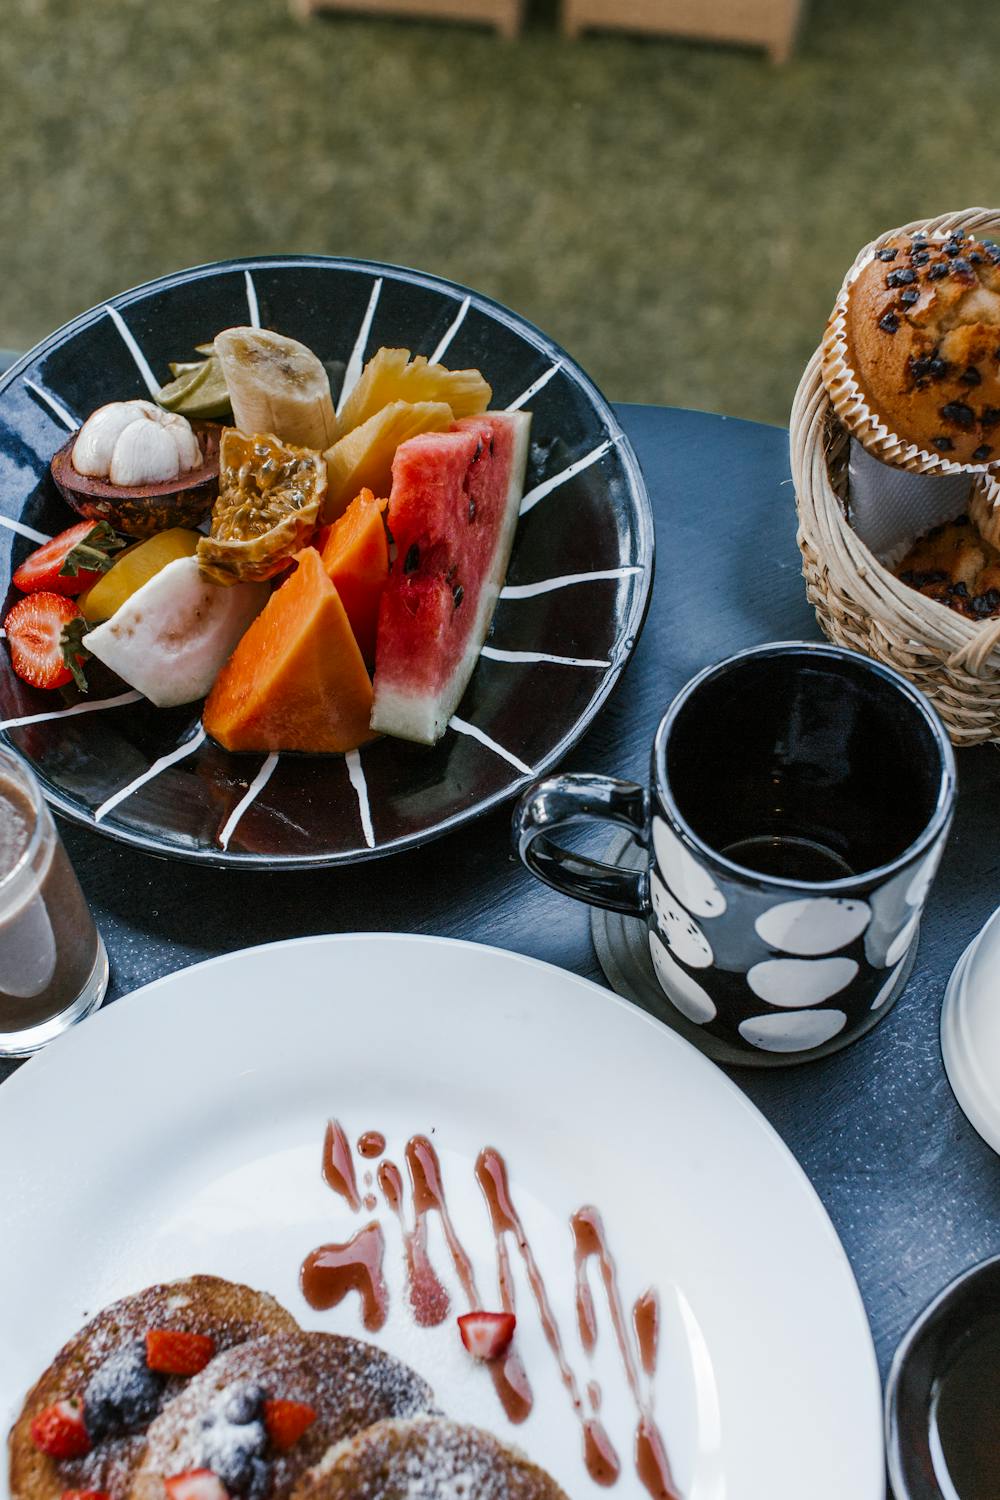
(390, 375)
(363, 458)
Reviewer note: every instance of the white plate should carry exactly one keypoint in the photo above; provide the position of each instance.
(181, 1131)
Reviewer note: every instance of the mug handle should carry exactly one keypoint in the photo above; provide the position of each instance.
(579, 797)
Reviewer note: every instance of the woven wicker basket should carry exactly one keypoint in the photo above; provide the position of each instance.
(858, 602)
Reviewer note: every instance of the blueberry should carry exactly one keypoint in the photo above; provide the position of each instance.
(231, 1451)
(887, 254)
(920, 367)
(971, 376)
(982, 453)
(937, 271)
(260, 1480)
(957, 412)
(960, 590)
(123, 1393)
(961, 265)
(975, 258)
(909, 297)
(243, 1403)
(921, 257)
(889, 323)
(902, 277)
(939, 367)
(952, 249)
(984, 604)
(990, 416)
(942, 443)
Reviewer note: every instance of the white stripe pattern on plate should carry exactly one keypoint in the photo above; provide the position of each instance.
(22, 530)
(535, 387)
(451, 331)
(356, 362)
(54, 405)
(78, 708)
(251, 794)
(253, 309)
(546, 585)
(356, 773)
(496, 653)
(151, 382)
(532, 498)
(188, 748)
(462, 727)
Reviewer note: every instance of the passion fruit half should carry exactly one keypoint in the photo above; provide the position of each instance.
(143, 509)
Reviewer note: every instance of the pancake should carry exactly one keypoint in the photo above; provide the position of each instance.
(215, 1422)
(426, 1459)
(226, 1311)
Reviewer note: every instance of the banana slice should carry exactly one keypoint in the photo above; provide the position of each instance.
(277, 385)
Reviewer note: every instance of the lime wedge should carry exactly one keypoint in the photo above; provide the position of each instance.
(198, 391)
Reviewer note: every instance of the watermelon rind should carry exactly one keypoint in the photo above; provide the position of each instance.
(424, 717)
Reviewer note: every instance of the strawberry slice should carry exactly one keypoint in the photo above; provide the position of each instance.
(173, 1352)
(196, 1484)
(487, 1335)
(71, 561)
(86, 1495)
(59, 1430)
(45, 633)
(286, 1421)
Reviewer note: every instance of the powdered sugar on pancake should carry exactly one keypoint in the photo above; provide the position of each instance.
(348, 1383)
(426, 1459)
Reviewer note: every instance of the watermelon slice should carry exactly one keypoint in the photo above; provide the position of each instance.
(452, 514)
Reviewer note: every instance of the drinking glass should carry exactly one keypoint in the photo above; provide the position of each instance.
(53, 964)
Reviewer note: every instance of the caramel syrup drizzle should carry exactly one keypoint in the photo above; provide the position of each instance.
(590, 1242)
(602, 1461)
(331, 1271)
(338, 1165)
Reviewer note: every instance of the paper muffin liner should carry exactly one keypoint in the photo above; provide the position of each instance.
(847, 398)
(889, 508)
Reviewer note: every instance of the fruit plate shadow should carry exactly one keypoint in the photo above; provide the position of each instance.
(568, 619)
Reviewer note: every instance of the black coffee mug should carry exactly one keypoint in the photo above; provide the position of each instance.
(801, 798)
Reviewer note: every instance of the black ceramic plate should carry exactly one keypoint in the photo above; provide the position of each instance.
(576, 595)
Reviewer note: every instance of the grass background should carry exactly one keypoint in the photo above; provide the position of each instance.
(678, 215)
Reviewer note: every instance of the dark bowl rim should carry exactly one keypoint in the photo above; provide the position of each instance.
(643, 537)
(846, 884)
(950, 1293)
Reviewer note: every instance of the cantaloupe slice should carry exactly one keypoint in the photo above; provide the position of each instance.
(356, 558)
(390, 375)
(363, 459)
(297, 680)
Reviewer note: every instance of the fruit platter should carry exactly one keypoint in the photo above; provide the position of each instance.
(309, 560)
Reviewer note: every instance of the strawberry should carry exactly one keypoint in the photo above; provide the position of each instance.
(71, 561)
(86, 1495)
(487, 1335)
(286, 1421)
(196, 1484)
(59, 1430)
(172, 1352)
(45, 634)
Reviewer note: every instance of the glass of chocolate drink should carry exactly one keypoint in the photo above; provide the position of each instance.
(53, 965)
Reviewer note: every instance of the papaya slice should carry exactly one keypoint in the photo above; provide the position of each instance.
(356, 558)
(297, 680)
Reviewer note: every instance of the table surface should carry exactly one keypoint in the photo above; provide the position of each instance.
(912, 1190)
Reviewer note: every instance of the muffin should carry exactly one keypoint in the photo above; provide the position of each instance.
(910, 355)
(103, 1374)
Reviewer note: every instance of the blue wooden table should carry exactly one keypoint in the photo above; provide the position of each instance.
(912, 1191)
